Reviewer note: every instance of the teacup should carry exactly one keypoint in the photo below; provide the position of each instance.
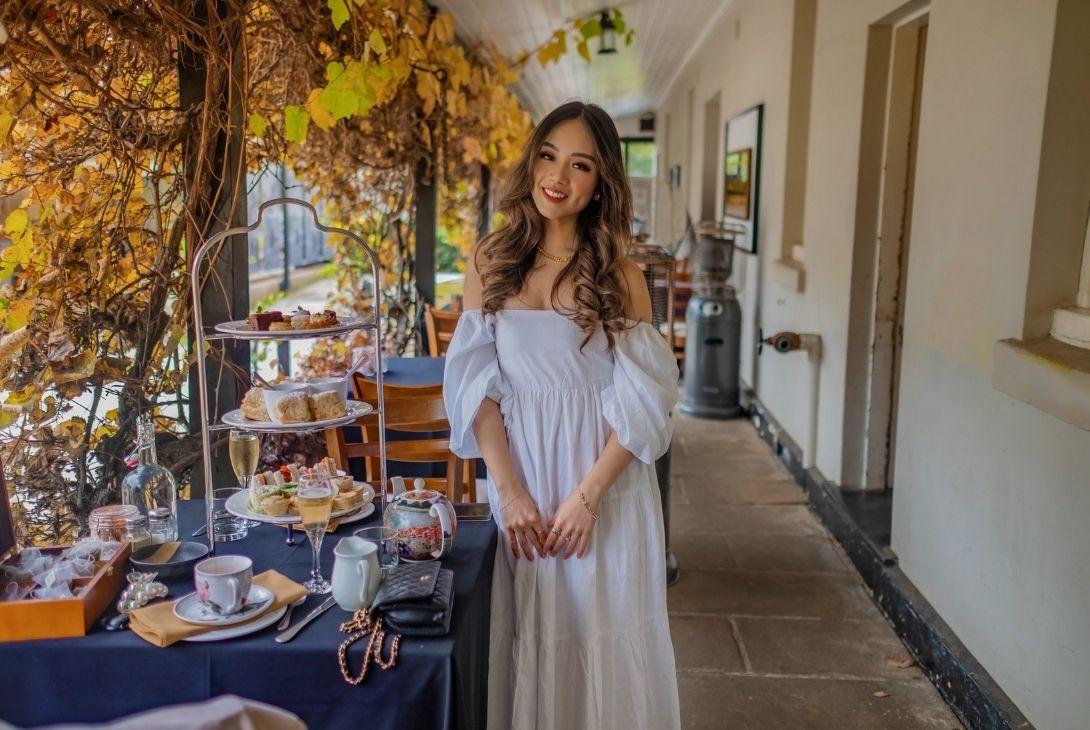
(223, 583)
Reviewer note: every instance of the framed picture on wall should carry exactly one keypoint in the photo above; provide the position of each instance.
(736, 184)
(742, 176)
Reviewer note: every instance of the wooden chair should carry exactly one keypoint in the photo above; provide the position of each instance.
(440, 327)
(683, 290)
(367, 390)
(422, 415)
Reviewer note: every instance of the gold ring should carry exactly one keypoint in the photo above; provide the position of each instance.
(556, 532)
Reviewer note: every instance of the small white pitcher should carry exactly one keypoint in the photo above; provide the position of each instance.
(356, 573)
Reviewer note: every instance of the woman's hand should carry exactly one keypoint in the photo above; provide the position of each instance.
(570, 528)
(524, 525)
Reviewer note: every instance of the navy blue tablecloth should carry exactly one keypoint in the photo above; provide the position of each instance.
(414, 371)
(437, 683)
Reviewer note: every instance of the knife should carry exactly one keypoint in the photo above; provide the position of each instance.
(288, 635)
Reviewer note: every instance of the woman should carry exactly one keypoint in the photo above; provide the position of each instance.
(555, 377)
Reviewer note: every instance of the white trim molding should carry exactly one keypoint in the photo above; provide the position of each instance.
(1047, 374)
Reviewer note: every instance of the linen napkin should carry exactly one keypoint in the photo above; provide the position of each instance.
(157, 624)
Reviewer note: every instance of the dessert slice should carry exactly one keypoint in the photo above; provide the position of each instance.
(261, 320)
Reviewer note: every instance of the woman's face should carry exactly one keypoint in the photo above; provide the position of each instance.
(566, 171)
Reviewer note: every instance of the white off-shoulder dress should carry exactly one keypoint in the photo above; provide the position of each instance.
(577, 643)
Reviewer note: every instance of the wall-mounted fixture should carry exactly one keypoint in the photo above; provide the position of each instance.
(608, 42)
(811, 344)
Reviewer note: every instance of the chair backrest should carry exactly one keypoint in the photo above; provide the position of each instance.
(366, 389)
(422, 414)
(440, 326)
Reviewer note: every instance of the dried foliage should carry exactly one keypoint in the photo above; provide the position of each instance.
(107, 180)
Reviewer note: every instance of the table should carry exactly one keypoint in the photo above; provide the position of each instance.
(414, 371)
(438, 682)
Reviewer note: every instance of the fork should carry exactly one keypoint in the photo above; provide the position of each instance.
(286, 621)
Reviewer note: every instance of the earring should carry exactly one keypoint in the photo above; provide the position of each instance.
(597, 196)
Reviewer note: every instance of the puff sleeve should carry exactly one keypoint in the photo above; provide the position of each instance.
(637, 404)
(471, 374)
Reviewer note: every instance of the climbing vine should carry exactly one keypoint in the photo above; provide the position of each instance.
(108, 178)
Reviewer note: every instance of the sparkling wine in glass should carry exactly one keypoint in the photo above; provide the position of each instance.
(315, 500)
(243, 447)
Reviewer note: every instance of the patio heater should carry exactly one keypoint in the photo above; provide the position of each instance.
(658, 270)
(713, 329)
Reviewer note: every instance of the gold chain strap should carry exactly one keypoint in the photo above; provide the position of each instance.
(360, 625)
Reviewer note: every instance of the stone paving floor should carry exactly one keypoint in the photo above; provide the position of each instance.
(772, 626)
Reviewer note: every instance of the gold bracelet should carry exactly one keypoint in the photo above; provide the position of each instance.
(583, 499)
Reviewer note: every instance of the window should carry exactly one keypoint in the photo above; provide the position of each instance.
(1071, 325)
(639, 157)
(639, 163)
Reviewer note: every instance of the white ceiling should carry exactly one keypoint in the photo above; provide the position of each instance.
(632, 81)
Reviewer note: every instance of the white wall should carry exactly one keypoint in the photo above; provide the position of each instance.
(991, 496)
(746, 60)
(630, 127)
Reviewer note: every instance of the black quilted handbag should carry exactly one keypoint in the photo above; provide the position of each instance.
(416, 599)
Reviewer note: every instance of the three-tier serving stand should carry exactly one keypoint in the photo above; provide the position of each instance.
(374, 324)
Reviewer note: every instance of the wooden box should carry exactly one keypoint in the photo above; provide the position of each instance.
(49, 618)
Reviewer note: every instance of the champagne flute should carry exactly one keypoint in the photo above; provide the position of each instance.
(315, 498)
(244, 449)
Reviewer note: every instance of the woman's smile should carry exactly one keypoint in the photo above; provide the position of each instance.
(554, 195)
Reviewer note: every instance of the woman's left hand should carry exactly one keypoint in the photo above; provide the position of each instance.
(570, 527)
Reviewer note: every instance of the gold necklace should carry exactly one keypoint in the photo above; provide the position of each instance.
(557, 259)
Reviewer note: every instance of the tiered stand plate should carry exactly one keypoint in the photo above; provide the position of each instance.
(355, 409)
(240, 330)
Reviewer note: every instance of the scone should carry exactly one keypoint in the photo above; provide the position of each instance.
(253, 405)
(342, 484)
(326, 405)
(293, 408)
(280, 326)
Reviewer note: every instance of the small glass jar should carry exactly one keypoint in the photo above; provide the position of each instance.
(136, 531)
(108, 523)
(162, 526)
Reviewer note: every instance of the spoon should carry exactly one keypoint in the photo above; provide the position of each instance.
(357, 364)
(286, 621)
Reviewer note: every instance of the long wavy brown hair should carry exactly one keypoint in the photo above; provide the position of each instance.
(506, 256)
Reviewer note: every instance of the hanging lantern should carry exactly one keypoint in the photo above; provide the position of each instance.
(609, 35)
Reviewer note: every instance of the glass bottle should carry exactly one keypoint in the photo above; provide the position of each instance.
(150, 486)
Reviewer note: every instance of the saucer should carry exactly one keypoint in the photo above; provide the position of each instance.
(189, 609)
(231, 632)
